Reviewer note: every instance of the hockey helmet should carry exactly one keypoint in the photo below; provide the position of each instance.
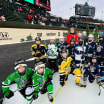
(72, 40)
(19, 63)
(61, 37)
(39, 65)
(81, 41)
(94, 59)
(37, 39)
(64, 51)
(90, 36)
(52, 38)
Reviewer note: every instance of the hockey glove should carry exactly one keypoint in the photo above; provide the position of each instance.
(82, 56)
(81, 52)
(11, 94)
(37, 55)
(35, 97)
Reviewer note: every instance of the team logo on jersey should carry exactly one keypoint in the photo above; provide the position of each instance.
(17, 80)
(35, 47)
(99, 48)
(39, 79)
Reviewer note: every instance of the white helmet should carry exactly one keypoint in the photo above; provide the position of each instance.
(79, 34)
(39, 65)
(52, 38)
(84, 32)
(61, 37)
(90, 36)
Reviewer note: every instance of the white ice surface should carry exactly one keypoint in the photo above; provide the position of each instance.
(69, 94)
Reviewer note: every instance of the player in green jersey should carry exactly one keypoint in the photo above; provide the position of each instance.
(23, 79)
(42, 81)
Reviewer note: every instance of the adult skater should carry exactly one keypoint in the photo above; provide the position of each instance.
(73, 35)
(23, 79)
(42, 81)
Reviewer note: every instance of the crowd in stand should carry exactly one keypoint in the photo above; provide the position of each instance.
(33, 15)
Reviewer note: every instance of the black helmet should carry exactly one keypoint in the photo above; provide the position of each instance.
(64, 51)
(94, 57)
(72, 40)
(81, 40)
(37, 39)
(19, 63)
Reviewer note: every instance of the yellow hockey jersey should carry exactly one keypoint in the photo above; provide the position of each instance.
(38, 51)
(64, 66)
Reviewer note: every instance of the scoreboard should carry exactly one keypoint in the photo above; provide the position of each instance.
(84, 10)
(30, 1)
(41, 3)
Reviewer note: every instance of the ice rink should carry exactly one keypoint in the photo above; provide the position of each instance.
(69, 94)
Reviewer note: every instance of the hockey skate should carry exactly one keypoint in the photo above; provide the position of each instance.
(50, 97)
(80, 85)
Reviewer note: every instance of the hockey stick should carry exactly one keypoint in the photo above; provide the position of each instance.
(45, 43)
(59, 90)
(99, 91)
(100, 85)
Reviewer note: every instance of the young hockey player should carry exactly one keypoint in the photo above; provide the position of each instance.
(100, 49)
(91, 71)
(91, 47)
(80, 53)
(42, 81)
(62, 44)
(52, 55)
(71, 47)
(38, 50)
(65, 69)
(71, 51)
(64, 66)
(22, 77)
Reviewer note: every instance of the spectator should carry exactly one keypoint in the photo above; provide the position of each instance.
(0, 18)
(79, 35)
(73, 35)
(3, 18)
(84, 34)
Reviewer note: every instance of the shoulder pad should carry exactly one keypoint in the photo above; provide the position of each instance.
(34, 45)
(42, 45)
(69, 58)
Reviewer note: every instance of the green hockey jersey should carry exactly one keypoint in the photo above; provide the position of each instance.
(20, 80)
(39, 80)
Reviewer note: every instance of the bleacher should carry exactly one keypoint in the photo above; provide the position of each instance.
(18, 12)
